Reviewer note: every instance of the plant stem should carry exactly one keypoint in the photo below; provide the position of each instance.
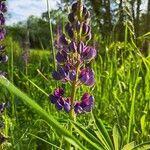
(51, 34)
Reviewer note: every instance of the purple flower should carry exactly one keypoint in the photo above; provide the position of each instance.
(63, 40)
(72, 47)
(86, 29)
(74, 7)
(60, 74)
(2, 19)
(2, 48)
(71, 17)
(2, 138)
(87, 76)
(77, 108)
(2, 34)
(80, 47)
(61, 57)
(70, 33)
(3, 58)
(3, 7)
(78, 25)
(72, 75)
(59, 92)
(59, 104)
(87, 102)
(67, 105)
(88, 53)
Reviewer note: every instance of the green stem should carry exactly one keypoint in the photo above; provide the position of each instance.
(51, 34)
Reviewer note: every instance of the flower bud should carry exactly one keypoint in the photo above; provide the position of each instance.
(63, 40)
(74, 7)
(61, 57)
(87, 76)
(3, 7)
(2, 48)
(80, 47)
(78, 25)
(87, 102)
(53, 98)
(77, 108)
(56, 75)
(87, 15)
(88, 54)
(2, 19)
(67, 104)
(2, 34)
(71, 17)
(67, 26)
(70, 33)
(59, 92)
(3, 58)
(58, 105)
(72, 75)
(86, 29)
(72, 47)
(88, 37)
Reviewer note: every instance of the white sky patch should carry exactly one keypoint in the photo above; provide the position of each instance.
(20, 10)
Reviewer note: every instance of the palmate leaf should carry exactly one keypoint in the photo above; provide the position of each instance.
(102, 133)
(49, 118)
(93, 141)
(117, 137)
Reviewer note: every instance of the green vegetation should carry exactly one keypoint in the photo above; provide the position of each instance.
(120, 119)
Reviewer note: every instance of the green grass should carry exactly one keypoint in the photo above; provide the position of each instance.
(122, 102)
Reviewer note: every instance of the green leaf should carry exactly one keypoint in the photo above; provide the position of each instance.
(49, 118)
(117, 137)
(93, 141)
(129, 146)
(102, 133)
(142, 146)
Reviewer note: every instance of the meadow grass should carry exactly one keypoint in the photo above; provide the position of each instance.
(121, 97)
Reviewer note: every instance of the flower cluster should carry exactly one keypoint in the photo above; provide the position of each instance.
(72, 56)
(61, 102)
(3, 57)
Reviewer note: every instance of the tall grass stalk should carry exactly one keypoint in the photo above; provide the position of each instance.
(51, 35)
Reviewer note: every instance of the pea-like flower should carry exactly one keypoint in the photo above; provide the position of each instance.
(72, 55)
(87, 76)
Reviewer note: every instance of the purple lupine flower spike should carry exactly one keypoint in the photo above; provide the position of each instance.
(3, 56)
(72, 56)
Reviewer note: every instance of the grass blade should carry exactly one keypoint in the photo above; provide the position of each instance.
(49, 118)
(88, 136)
(103, 134)
(143, 146)
(117, 137)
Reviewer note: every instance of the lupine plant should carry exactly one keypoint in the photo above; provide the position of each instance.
(72, 56)
(3, 59)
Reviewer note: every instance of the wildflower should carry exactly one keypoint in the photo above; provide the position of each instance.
(3, 57)
(72, 56)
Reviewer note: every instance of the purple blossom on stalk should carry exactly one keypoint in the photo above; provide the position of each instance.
(3, 56)
(72, 56)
